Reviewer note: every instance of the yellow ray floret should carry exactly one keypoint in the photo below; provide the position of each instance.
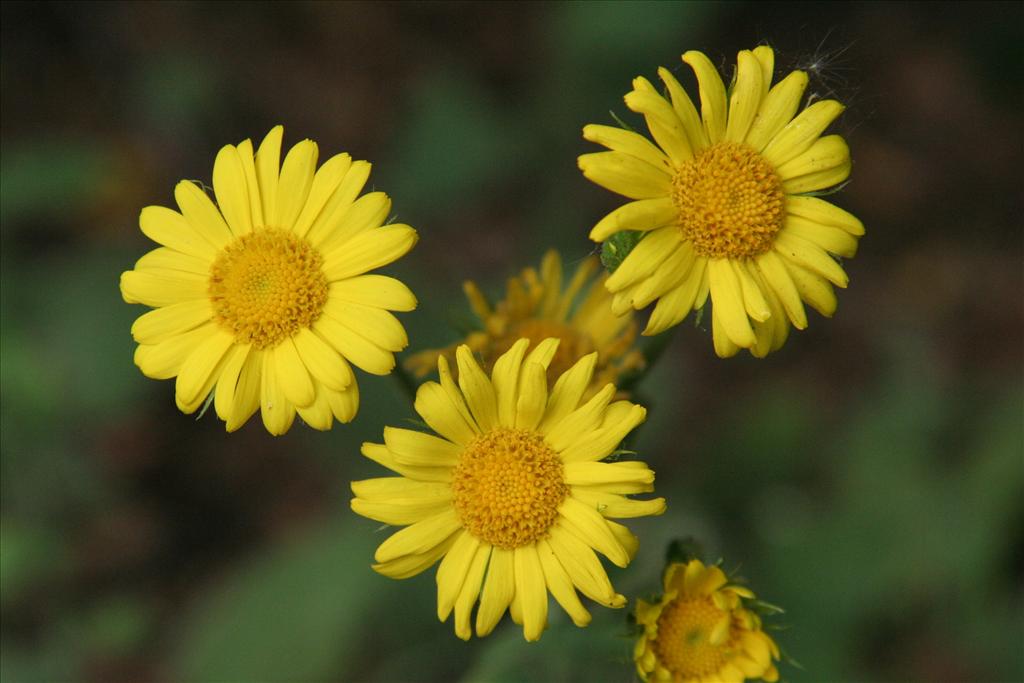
(724, 197)
(511, 492)
(700, 632)
(264, 297)
(538, 305)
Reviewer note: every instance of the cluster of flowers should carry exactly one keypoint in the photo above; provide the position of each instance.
(263, 299)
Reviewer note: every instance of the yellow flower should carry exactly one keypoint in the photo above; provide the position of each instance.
(699, 632)
(723, 198)
(512, 494)
(263, 297)
(537, 307)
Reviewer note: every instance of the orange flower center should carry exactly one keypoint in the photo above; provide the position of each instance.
(694, 638)
(730, 202)
(507, 487)
(267, 285)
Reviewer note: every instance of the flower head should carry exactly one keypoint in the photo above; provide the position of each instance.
(511, 495)
(725, 199)
(700, 632)
(537, 305)
(263, 297)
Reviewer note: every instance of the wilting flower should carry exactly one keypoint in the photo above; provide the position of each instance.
(725, 198)
(263, 297)
(537, 306)
(700, 631)
(512, 494)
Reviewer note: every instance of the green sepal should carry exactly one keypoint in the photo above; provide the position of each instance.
(616, 248)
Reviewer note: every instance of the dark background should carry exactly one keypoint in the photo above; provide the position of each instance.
(868, 477)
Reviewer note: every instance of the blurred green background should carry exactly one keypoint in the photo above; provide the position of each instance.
(868, 477)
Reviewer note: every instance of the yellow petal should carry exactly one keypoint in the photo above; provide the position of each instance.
(167, 227)
(366, 213)
(377, 325)
(247, 157)
(662, 122)
(724, 346)
(505, 377)
(268, 167)
(408, 566)
(201, 370)
(826, 153)
(168, 321)
(727, 298)
(380, 454)
(685, 110)
(420, 537)
(229, 186)
(246, 400)
(565, 432)
(746, 96)
(162, 287)
(779, 279)
(201, 214)
(583, 567)
(499, 587)
(531, 590)
(420, 449)
(325, 183)
(766, 56)
(165, 258)
(470, 590)
(642, 215)
(798, 250)
(568, 391)
(830, 238)
(163, 360)
(451, 574)
(560, 585)
(292, 375)
(753, 299)
(533, 395)
(380, 291)
(601, 443)
(820, 211)
(609, 475)
(369, 250)
(344, 404)
(800, 133)
(677, 303)
(277, 411)
(589, 526)
(324, 363)
(625, 175)
(350, 343)
(712, 94)
(294, 184)
(777, 109)
(820, 180)
(477, 388)
(645, 259)
(322, 232)
(407, 509)
(439, 411)
(615, 505)
(627, 142)
(318, 414)
(227, 381)
(813, 289)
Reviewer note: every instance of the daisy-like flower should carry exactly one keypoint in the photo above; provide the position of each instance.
(725, 200)
(512, 494)
(264, 297)
(537, 306)
(700, 632)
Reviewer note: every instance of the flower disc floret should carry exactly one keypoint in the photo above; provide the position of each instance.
(730, 202)
(267, 285)
(507, 487)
